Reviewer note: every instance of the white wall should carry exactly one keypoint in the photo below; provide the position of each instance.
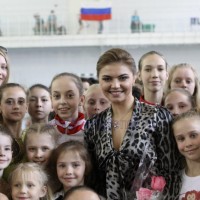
(17, 15)
(39, 65)
(33, 65)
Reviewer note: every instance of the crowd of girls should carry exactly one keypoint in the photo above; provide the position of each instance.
(103, 140)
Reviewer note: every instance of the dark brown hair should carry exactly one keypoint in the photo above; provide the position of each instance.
(75, 78)
(151, 53)
(6, 86)
(72, 145)
(116, 55)
(6, 132)
(9, 85)
(41, 86)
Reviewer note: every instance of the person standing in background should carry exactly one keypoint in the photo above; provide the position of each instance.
(52, 23)
(39, 28)
(80, 22)
(135, 23)
(100, 27)
(153, 73)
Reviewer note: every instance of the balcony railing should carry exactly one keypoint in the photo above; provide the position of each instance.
(23, 26)
(21, 32)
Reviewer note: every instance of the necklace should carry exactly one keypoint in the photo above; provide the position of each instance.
(115, 124)
(122, 122)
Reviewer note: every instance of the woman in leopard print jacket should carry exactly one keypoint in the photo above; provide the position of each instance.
(118, 137)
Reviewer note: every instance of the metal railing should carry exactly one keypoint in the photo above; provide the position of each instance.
(23, 26)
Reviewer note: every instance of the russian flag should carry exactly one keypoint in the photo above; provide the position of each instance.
(96, 10)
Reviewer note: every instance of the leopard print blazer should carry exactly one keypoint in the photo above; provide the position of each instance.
(115, 170)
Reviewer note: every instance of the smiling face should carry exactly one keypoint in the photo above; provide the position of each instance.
(27, 187)
(183, 78)
(187, 135)
(70, 169)
(39, 104)
(116, 81)
(177, 103)
(3, 70)
(65, 98)
(39, 147)
(153, 73)
(13, 104)
(5, 151)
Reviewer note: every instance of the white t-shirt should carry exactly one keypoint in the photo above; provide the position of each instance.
(189, 184)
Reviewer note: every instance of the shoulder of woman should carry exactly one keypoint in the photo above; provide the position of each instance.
(96, 119)
(163, 110)
(155, 110)
(3, 197)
